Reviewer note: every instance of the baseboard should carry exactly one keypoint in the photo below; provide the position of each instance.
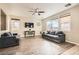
(73, 42)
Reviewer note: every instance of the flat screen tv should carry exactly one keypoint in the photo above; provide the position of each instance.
(29, 25)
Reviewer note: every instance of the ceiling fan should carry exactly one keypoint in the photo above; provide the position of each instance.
(34, 11)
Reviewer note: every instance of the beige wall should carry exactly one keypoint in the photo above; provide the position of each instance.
(73, 35)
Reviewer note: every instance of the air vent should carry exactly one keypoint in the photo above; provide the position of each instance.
(67, 5)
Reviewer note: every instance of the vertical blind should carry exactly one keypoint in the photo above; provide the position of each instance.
(65, 23)
(53, 25)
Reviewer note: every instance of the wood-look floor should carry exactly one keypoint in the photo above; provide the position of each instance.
(39, 46)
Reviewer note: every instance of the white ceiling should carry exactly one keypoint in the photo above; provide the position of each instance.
(21, 9)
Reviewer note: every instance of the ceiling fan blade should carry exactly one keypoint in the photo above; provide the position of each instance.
(30, 11)
(33, 13)
(41, 12)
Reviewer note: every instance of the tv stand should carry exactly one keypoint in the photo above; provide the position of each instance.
(29, 33)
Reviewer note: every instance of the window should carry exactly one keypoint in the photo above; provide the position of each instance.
(49, 25)
(65, 23)
(53, 25)
(15, 24)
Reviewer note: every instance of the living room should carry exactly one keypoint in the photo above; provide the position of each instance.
(39, 28)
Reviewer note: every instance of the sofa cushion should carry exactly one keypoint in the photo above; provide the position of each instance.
(6, 34)
(59, 32)
(52, 35)
(9, 33)
(48, 32)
